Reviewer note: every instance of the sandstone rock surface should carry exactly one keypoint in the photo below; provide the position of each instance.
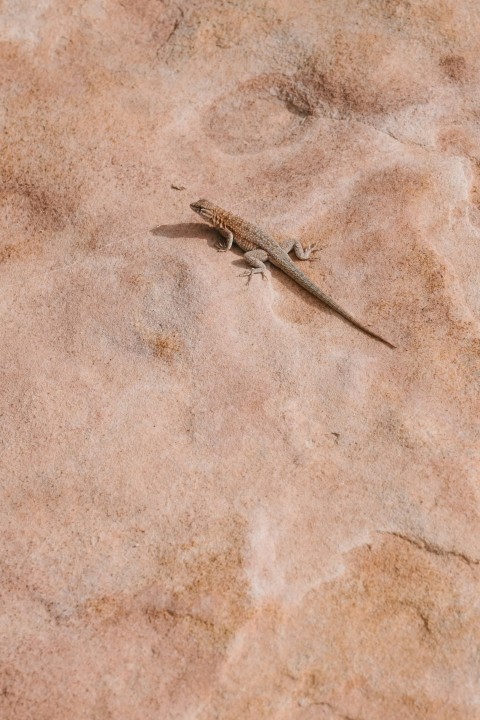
(221, 500)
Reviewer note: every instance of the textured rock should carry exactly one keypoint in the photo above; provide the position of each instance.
(222, 501)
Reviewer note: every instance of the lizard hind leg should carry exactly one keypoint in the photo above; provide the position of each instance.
(300, 252)
(256, 259)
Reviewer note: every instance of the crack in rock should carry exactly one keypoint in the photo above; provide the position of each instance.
(431, 547)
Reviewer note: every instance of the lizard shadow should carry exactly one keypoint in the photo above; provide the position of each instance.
(184, 230)
(190, 230)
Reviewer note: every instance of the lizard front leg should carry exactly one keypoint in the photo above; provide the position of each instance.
(228, 235)
(297, 247)
(256, 259)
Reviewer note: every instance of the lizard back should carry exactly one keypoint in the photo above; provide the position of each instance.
(246, 235)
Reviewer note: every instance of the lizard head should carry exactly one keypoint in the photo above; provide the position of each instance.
(204, 208)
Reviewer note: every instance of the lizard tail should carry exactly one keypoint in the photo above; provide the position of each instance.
(290, 269)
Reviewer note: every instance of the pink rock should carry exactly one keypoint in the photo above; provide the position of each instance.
(221, 500)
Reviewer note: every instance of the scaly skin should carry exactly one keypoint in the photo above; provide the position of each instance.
(259, 247)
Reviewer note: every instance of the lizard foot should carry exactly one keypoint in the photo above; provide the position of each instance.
(253, 271)
(313, 249)
(221, 247)
(301, 252)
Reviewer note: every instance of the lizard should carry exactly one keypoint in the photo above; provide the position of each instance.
(258, 247)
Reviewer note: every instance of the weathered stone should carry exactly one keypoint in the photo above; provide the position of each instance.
(221, 500)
